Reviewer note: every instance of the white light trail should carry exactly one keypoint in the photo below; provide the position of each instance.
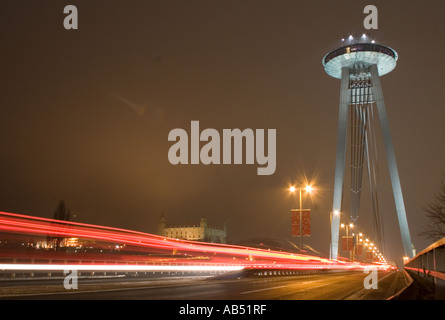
(97, 267)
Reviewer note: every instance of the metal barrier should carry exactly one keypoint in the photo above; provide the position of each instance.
(428, 266)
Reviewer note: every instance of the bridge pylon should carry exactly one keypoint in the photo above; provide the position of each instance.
(359, 64)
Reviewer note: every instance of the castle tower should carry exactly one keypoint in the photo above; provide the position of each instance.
(161, 225)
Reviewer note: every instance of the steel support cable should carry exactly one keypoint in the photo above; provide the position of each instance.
(358, 164)
(358, 133)
(354, 146)
(362, 129)
(379, 220)
(364, 148)
(373, 189)
(362, 138)
(373, 173)
(362, 144)
(379, 217)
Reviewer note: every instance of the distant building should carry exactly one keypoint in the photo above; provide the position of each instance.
(201, 232)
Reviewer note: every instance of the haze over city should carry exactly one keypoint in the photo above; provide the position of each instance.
(86, 113)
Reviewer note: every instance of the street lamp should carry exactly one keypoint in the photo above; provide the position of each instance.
(348, 226)
(308, 189)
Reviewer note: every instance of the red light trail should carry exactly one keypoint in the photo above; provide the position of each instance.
(132, 250)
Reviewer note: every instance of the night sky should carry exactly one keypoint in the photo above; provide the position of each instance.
(85, 114)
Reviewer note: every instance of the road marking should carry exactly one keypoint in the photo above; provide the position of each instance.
(363, 291)
(302, 283)
(92, 290)
(246, 292)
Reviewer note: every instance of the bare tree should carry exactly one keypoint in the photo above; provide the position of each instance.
(435, 212)
(63, 214)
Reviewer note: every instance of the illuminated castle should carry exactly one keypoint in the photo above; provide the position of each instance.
(201, 232)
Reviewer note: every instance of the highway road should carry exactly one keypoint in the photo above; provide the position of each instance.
(322, 286)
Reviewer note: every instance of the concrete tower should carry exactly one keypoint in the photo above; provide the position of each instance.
(360, 63)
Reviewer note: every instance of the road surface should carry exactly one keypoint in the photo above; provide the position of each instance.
(322, 286)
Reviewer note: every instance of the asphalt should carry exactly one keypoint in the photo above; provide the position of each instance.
(323, 286)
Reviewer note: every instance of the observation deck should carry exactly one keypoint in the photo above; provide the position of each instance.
(360, 55)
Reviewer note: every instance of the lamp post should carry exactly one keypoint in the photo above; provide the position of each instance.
(347, 227)
(309, 189)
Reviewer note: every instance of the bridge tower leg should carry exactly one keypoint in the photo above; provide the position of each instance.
(392, 165)
(345, 104)
(340, 162)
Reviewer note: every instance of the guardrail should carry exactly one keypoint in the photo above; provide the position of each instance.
(428, 267)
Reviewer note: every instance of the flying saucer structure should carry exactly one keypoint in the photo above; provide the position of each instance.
(360, 55)
(359, 64)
